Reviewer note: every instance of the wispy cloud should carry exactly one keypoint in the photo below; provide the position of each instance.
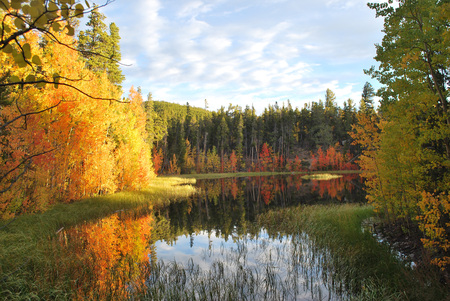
(253, 52)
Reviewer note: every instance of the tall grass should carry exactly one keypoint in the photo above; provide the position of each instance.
(312, 253)
(27, 254)
(257, 268)
(367, 269)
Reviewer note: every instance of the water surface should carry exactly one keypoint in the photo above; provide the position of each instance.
(210, 242)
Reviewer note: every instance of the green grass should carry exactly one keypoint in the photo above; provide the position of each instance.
(24, 242)
(366, 268)
(256, 174)
(326, 244)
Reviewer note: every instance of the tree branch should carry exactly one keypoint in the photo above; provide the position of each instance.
(27, 114)
(20, 164)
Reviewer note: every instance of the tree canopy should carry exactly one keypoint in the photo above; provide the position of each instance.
(406, 147)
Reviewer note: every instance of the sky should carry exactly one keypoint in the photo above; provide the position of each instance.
(246, 52)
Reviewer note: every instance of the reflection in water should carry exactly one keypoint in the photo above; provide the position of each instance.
(110, 256)
(208, 247)
(211, 244)
(231, 205)
(249, 267)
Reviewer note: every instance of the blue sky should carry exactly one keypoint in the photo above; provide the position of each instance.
(246, 52)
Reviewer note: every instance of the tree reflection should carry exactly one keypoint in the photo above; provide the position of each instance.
(108, 257)
(226, 206)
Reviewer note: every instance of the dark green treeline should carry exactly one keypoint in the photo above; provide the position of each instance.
(199, 140)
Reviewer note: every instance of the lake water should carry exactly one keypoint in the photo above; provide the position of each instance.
(210, 247)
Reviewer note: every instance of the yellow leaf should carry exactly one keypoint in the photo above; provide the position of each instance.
(52, 7)
(34, 12)
(56, 26)
(56, 80)
(65, 11)
(41, 84)
(16, 4)
(18, 58)
(4, 4)
(42, 20)
(26, 9)
(79, 9)
(27, 51)
(14, 79)
(70, 30)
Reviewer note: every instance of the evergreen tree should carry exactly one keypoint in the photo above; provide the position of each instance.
(100, 49)
(366, 104)
(113, 53)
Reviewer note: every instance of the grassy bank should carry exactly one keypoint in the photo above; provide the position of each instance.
(321, 246)
(260, 174)
(321, 176)
(354, 260)
(25, 241)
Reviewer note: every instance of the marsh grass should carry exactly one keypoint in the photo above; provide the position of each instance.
(257, 268)
(364, 268)
(311, 253)
(28, 260)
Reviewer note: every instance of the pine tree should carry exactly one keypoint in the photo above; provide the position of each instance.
(366, 104)
(100, 49)
(113, 52)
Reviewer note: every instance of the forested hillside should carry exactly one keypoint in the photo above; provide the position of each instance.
(235, 139)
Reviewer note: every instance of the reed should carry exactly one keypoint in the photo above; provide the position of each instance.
(308, 252)
(364, 268)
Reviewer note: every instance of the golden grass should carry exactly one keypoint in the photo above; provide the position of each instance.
(321, 176)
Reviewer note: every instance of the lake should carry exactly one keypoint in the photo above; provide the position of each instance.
(212, 248)
(248, 238)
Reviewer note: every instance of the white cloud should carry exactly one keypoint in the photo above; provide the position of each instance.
(258, 52)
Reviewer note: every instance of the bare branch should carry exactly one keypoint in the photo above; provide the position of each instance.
(29, 160)
(27, 114)
(61, 84)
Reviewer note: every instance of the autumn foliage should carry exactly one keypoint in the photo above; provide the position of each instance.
(331, 160)
(58, 144)
(391, 166)
(111, 254)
